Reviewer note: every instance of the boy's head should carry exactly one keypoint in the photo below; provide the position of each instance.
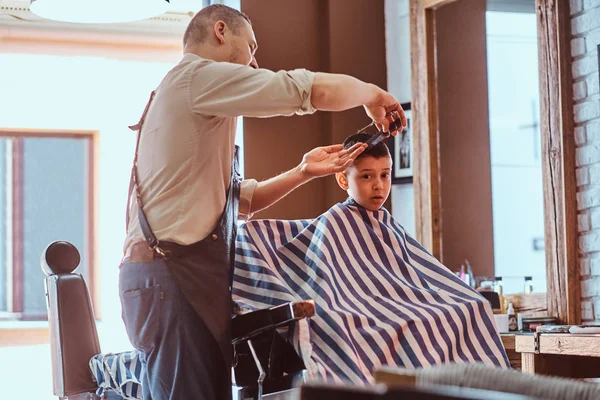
(368, 179)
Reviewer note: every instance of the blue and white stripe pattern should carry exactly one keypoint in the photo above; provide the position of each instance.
(381, 298)
(118, 372)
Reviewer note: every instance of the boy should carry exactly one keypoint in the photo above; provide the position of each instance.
(381, 298)
(367, 180)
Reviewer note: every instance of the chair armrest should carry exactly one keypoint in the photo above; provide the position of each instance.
(394, 376)
(246, 326)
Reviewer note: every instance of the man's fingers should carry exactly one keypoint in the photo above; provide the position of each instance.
(346, 161)
(352, 152)
(333, 148)
(346, 165)
(357, 151)
(351, 149)
(396, 112)
(342, 166)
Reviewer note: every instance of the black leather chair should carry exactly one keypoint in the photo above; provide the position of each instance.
(320, 391)
(265, 362)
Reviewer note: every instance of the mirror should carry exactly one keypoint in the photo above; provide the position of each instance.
(488, 187)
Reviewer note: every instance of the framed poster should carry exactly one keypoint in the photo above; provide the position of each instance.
(401, 149)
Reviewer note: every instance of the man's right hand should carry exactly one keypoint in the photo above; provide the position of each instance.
(337, 92)
(385, 110)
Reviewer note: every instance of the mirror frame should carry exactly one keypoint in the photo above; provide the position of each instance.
(558, 147)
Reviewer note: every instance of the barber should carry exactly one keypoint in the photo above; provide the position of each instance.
(186, 193)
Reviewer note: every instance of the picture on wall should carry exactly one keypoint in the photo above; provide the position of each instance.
(401, 149)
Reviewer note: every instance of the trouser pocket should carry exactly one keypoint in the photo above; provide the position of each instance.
(141, 314)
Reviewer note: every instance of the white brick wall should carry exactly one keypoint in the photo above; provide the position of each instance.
(585, 30)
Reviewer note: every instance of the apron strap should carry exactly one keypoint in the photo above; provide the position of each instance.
(133, 186)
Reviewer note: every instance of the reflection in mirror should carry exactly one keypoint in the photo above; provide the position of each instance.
(515, 146)
(490, 159)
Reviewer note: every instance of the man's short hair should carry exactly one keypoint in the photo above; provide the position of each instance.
(199, 27)
(378, 151)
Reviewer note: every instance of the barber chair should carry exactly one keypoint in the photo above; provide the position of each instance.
(486, 377)
(323, 391)
(264, 360)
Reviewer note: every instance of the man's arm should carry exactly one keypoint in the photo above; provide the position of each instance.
(230, 90)
(337, 92)
(319, 162)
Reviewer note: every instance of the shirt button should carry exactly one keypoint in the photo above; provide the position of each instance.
(214, 236)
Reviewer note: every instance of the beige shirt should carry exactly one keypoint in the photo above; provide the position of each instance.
(187, 142)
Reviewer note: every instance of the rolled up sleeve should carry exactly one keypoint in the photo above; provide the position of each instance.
(230, 90)
(246, 193)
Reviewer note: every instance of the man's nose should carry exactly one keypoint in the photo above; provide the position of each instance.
(254, 63)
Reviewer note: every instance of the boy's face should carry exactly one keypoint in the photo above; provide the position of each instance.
(368, 181)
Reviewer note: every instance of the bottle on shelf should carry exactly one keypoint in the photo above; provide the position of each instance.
(528, 285)
(470, 274)
(498, 285)
(498, 289)
(512, 319)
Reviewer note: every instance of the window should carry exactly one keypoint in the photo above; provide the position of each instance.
(45, 195)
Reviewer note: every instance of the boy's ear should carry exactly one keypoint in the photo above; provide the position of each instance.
(342, 180)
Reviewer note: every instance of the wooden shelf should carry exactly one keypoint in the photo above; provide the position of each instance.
(561, 354)
(562, 344)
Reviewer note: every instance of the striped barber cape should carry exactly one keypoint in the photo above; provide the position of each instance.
(381, 298)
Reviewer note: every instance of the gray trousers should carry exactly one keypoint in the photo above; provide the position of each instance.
(180, 358)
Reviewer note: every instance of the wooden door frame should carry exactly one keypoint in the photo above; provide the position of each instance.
(558, 147)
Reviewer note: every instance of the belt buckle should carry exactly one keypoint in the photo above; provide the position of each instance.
(166, 254)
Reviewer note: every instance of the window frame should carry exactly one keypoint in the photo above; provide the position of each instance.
(16, 301)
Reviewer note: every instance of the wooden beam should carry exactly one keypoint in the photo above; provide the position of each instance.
(529, 303)
(24, 337)
(433, 4)
(425, 133)
(558, 161)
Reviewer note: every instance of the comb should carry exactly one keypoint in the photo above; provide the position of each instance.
(380, 136)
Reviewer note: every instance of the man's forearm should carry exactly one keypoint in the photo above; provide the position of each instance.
(336, 92)
(270, 191)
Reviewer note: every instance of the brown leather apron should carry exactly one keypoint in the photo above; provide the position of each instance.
(203, 270)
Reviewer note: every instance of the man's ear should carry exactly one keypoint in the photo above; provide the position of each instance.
(219, 29)
(342, 180)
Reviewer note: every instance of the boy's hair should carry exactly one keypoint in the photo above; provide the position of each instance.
(378, 151)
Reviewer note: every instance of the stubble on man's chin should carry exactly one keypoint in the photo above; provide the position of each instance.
(235, 54)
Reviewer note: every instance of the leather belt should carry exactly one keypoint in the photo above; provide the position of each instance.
(141, 251)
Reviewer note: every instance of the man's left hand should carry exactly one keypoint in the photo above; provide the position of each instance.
(328, 160)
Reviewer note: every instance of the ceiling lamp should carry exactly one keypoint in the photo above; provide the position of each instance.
(98, 11)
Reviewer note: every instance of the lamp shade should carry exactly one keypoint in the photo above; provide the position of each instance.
(98, 11)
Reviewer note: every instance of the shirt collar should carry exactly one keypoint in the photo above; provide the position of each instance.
(188, 57)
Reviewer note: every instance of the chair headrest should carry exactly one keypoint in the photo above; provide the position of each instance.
(60, 257)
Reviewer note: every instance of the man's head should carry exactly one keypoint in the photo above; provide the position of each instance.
(367, 180)
(221, 33)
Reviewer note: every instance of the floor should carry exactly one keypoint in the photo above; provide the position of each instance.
(21, 365)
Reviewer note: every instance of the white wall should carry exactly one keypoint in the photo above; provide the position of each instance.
(585, 28)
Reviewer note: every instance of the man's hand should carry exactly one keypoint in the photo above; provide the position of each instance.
(385, 110)
(318, 162)
(328, 160)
